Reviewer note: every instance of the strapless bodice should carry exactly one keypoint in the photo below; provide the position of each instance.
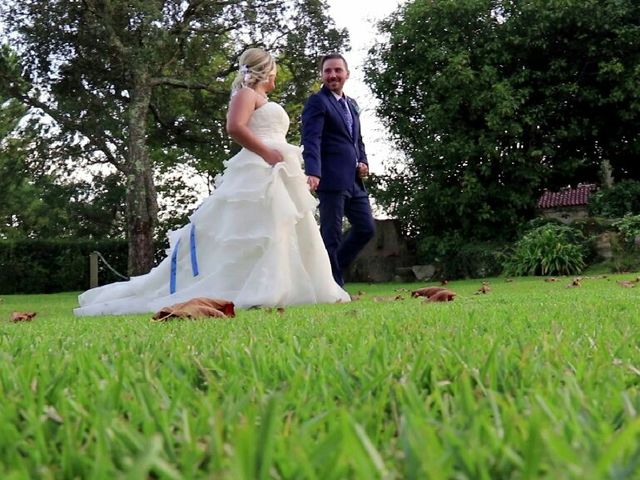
(270, 122)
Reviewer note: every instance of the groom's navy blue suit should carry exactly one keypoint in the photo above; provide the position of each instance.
(331, 152)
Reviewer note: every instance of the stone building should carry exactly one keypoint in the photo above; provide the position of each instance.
(387, 257)
(568, 204)
(571, 204)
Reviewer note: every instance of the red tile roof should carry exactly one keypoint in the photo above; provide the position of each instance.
(567, 197)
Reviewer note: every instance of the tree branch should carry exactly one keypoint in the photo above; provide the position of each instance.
(72, 125)
(181, 133)
(186, 84)
(107, 22)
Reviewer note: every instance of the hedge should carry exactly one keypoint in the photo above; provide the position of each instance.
(58, 265)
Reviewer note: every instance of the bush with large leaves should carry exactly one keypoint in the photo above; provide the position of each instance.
(550, 249)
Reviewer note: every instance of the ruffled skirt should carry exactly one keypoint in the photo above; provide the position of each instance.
(254, 241)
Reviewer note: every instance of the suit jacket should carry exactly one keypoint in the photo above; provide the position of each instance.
(330, 151)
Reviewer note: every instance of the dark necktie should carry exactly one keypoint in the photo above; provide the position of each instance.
(346, 115)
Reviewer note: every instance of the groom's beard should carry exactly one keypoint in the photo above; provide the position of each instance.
(335, 85)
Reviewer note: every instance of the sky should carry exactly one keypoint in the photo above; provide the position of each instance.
(360, 17)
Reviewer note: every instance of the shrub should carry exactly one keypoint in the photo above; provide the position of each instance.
(58, 265)
(549, 249)
(619, 200)
(458, 258)
(629, 228)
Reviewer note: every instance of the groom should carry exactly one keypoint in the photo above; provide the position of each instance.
(335, 163)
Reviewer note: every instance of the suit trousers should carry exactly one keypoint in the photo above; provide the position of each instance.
(343, 249)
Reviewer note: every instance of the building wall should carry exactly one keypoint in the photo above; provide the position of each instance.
(565, 214)
(383, 255)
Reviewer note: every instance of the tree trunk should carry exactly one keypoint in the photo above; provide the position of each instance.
(142, 207)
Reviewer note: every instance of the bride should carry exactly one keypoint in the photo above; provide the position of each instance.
(255, 240)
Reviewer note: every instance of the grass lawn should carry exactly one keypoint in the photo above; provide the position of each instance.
(531, 380)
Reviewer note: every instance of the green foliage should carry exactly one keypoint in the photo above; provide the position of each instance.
(629, 228)
(529, 381)
(616, 201)
(550, 249)
(188, 52)
(37, 201)
(454, 258)
(143, 87)
(48, 266)
(626, 256)
(489, 101)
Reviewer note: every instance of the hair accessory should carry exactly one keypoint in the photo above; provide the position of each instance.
(244, 71)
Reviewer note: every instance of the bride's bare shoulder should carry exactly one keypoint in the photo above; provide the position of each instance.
(247, 96)
(244, 93)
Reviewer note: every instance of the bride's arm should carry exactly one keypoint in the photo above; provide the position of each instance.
(242, 106)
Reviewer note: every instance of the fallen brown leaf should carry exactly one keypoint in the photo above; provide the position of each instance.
(22, 316)
(551, 279)
(196, 308)
(426, 291)
(441, 296)
(575, 283)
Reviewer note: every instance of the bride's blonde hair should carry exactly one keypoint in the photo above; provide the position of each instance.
(255, 66)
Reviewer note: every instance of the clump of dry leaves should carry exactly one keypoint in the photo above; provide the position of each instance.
(629, 283)
(434, 294)
(196, 308)
(577, 282)
(22, 316)
(441, 296)
(427, 291)
(357, 296)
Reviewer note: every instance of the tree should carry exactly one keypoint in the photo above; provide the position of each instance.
(38, 201)
(138, 84)
(492, 100)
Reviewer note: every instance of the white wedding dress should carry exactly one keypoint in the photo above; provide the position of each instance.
(254, 241)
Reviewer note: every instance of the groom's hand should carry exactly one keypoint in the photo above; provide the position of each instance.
(363, 170)
(313, 182)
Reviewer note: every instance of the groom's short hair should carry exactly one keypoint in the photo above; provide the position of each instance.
(333, 56)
